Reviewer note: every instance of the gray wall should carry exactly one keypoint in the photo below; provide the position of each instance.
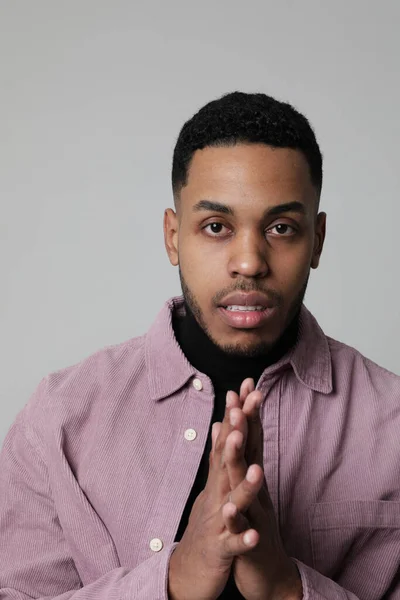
(92, 97)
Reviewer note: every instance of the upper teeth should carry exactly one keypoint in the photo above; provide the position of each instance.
(239, 307)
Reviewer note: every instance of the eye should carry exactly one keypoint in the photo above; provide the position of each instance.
(214, 229)
(282, 230)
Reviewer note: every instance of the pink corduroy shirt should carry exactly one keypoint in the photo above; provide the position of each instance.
(96, 470)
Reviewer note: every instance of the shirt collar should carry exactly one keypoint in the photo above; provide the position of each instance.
(168, 368)
(311, 357)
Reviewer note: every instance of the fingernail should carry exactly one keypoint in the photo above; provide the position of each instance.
(229, 399)
(251, 475)
(247, 539)
(232, 418)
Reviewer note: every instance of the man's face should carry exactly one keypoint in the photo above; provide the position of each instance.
(246, 222)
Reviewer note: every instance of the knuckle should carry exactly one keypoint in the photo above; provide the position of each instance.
(220, 443)
(218, 448)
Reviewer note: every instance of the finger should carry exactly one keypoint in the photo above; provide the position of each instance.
(219, 480)
(234, 521)
(247, 491)
(246, 387)
(234, 458)
(233, 468)
(238, 422)
(218, 477)
(241, 543)
(232, 401)
(215, 429)
(251, 406)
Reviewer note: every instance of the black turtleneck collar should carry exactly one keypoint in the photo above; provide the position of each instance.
(225, 371)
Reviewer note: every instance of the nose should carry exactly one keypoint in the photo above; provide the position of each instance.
(248, 257)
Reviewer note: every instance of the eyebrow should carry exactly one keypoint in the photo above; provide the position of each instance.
(270, 212)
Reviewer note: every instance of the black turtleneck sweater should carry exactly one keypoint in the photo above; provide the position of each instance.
(226, 373)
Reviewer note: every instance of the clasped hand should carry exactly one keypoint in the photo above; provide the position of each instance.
(232, 525)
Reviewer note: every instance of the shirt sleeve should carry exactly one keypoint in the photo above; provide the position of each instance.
(34, 558)
(318, 587)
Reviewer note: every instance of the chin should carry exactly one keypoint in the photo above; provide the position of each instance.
(246, 350)
(243, 343)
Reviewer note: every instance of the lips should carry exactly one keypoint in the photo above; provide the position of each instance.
(232, 310)
(246, 299)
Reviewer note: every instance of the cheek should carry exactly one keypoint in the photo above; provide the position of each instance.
(292, 267)
(197, 268)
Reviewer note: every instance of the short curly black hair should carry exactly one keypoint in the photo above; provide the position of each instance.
(240, 117)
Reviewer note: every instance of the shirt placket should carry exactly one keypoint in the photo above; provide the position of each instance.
(269, 414)
(191, 433)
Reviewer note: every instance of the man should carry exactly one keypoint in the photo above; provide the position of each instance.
(234, 451)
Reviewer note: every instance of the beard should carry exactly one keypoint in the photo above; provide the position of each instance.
(251, 349)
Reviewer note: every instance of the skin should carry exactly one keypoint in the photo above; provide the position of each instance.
(249, 250)
(232, 523)
(266, 572)
(200, 565)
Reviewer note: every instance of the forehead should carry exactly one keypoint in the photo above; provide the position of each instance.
(254, 172)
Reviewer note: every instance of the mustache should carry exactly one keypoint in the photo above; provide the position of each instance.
(246, 286)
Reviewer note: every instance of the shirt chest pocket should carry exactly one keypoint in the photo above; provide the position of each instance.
(357, 544)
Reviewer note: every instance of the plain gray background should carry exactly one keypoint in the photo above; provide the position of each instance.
(92, 97)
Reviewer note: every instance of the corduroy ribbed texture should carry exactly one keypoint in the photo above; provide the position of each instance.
(97, 465)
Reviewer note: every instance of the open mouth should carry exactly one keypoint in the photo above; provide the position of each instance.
(244, 308)
(245, 317)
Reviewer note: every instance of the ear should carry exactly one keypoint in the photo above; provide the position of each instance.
(171, 228)
(319, 238)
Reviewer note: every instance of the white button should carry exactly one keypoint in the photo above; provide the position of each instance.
(197, 384)
(156, 545)
(190, 434)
